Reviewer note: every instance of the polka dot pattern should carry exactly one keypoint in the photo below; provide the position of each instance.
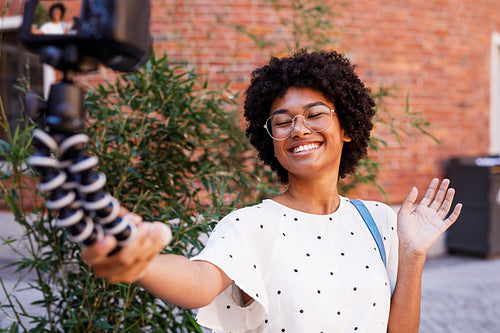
(299, 267)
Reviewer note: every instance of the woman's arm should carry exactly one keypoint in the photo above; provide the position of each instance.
(418, 228)
(175, 279)
(189, 284)
(35, 30)
(404, 315)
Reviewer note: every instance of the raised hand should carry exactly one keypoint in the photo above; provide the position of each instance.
(419, 226)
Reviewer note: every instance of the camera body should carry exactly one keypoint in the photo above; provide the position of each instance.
(112, 32)
(116, 34)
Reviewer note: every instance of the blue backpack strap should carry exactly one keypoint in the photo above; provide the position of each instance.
(370, 223)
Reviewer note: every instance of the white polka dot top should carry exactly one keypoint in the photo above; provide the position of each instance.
(306, 273)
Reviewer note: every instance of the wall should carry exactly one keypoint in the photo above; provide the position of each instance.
(436, 52)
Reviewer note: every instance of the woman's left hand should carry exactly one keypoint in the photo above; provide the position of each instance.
(419, 226)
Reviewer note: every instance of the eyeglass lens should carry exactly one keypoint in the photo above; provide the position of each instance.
(317, 118)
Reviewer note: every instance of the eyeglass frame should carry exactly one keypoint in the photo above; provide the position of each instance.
(305, 122)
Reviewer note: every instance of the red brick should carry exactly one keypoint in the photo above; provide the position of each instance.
(438, 52)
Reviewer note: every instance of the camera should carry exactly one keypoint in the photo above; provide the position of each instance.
(75, 36)
(79, 34)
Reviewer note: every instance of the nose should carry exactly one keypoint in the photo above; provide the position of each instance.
(299, 128)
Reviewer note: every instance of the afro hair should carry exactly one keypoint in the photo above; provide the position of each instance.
(55, 6)
(328, 72)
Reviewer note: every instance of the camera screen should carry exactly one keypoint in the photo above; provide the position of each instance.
(113, 32)
(56, 17)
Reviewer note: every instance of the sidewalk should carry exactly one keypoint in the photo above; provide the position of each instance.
(461, 295)
(24, 293)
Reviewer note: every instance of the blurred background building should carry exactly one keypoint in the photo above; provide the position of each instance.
(442, 56)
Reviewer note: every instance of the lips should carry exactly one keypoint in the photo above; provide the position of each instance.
(305, 148)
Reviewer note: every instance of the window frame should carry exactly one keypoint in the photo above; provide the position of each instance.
(495, 95)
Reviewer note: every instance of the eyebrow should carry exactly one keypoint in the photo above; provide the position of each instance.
(307, 106)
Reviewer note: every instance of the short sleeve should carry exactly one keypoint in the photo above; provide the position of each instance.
(386, 219)
(229, 248)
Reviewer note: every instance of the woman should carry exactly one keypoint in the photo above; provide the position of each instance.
(56, 25)
(303, 261)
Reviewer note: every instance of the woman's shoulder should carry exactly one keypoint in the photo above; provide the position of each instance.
(384, 215)
(252, 211)
(251, 217)
(243, 212)
(376, 207)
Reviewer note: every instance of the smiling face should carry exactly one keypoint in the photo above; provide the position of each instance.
(56, 15)
(307, 154)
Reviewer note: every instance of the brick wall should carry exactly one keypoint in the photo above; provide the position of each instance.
(437, 52)
(11, 8)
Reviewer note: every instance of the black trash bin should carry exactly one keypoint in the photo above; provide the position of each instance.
(477, 184)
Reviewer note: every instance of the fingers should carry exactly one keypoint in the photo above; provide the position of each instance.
(438, 199)
(431, 191)
(441, 194)
(131, 217)
(94, 253)
(409, 200)
(454, 215)
(445, 206)
(130, 263)
(166, 234)
(151, 239)
(441, 200)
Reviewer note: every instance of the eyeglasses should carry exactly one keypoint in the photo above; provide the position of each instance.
(317, 118)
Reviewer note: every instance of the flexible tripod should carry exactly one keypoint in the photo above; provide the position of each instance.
(68, 171)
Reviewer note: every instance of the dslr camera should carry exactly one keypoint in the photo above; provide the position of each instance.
(79, 34)
(75, 36)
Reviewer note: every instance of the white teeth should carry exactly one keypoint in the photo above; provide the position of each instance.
(300, 149)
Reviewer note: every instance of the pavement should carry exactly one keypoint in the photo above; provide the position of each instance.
(460, 294)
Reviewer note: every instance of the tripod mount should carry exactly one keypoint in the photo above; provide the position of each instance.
(68, 172)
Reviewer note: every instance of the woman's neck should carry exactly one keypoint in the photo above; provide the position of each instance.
(311, 196)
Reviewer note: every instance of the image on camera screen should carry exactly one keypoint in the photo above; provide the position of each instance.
(56, 17)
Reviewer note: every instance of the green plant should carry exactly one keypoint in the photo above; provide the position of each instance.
(173, 152)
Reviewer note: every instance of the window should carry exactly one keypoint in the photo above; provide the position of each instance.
(495, 95)
(16, 64)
